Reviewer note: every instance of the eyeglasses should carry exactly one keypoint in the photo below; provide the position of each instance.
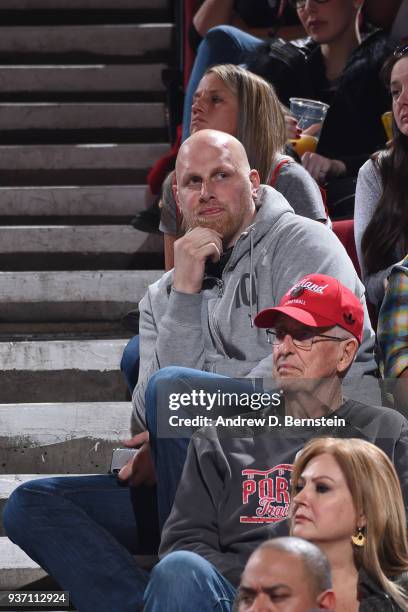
(299, 4)
(401, 50)
(301, 339)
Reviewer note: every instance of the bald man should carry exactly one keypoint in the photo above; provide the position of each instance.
(286, 575)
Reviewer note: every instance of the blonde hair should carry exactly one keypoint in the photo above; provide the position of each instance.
(376, 492)
(261, 122)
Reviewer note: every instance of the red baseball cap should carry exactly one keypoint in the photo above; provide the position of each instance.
(318, 300)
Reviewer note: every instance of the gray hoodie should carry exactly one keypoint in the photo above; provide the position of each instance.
(213, 330)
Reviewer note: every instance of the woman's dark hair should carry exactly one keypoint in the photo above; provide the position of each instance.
(388, 227)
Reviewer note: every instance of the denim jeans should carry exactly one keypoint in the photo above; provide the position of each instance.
(184, 581)
(81, 530)
(84, 530)
(130, 363)
(222, 45)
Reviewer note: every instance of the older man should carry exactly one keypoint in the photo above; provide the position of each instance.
(235, 488)
(286, 574)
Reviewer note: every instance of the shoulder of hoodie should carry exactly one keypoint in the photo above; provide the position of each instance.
(364, 413)
(275, 211)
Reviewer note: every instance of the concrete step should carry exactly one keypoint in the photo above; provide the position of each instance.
(62, 371)
(70, 200)
(74, 116)
(127, 40)
(73, 247)
(58, 5)
(72, 295)
(61, 437)
(16, 568)
(108, 156)
(81, 78)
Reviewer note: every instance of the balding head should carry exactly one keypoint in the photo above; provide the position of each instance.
(215, 186)
(290, 571)
(213, 139)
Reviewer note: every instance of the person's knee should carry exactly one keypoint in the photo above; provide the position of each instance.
(177, 567)
(18, 514)
(222, 35)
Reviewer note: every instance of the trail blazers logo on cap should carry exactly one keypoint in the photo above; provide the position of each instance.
(296, 292)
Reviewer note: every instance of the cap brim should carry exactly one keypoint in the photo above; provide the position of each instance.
(267, 317)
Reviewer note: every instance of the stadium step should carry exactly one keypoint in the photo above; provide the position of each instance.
(70, 80)
(83, 119)
(71, 201)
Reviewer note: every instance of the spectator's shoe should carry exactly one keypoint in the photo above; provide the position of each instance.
(147, 220)
(130, 321)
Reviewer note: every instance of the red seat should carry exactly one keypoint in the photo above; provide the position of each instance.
(344, 231)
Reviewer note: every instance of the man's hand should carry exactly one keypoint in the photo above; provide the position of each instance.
(140, 469)
(190, 254)
(322, 168)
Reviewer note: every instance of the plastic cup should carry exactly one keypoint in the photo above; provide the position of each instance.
(386, 119)
(309, 113)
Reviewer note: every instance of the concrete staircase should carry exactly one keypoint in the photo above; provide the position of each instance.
(82, 119)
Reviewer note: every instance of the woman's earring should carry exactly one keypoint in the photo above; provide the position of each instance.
(359, 539)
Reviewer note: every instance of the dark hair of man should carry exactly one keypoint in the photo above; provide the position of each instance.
(388, 227)
(315, 562)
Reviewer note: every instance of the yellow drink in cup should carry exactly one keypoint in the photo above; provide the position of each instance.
(386, 119)
(304, 143)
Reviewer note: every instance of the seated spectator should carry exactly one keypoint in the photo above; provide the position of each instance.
(286, 574)
(334, 65)
(347, 499)
(235, 489)
(381, 213)
(392, 333)
(238, 102)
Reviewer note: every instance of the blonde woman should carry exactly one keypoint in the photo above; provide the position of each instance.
(347, 499)
(233, 100)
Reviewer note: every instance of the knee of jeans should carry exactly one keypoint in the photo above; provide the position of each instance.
(222, 35)
(177, 566)
(17, 514)
(131, 354)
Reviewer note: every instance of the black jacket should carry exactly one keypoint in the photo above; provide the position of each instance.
(373, 599)
(352, 129)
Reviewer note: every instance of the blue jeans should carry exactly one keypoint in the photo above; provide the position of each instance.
(130, 362)
(222, 45)
(185, 581)
(83, 530)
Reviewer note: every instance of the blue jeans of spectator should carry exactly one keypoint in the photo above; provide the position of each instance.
(130, 362)
(222, 45)
(83, 531)
(185, 581)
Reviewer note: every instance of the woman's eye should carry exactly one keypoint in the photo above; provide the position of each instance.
(395, 93)
(216, 99)
(297, 489)
(322, 488)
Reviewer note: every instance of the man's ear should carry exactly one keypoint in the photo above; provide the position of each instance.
(255, 181)
(176, 195)
(348, 349)
(327, 600)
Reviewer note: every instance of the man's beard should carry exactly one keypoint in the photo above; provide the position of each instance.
(226, 224)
